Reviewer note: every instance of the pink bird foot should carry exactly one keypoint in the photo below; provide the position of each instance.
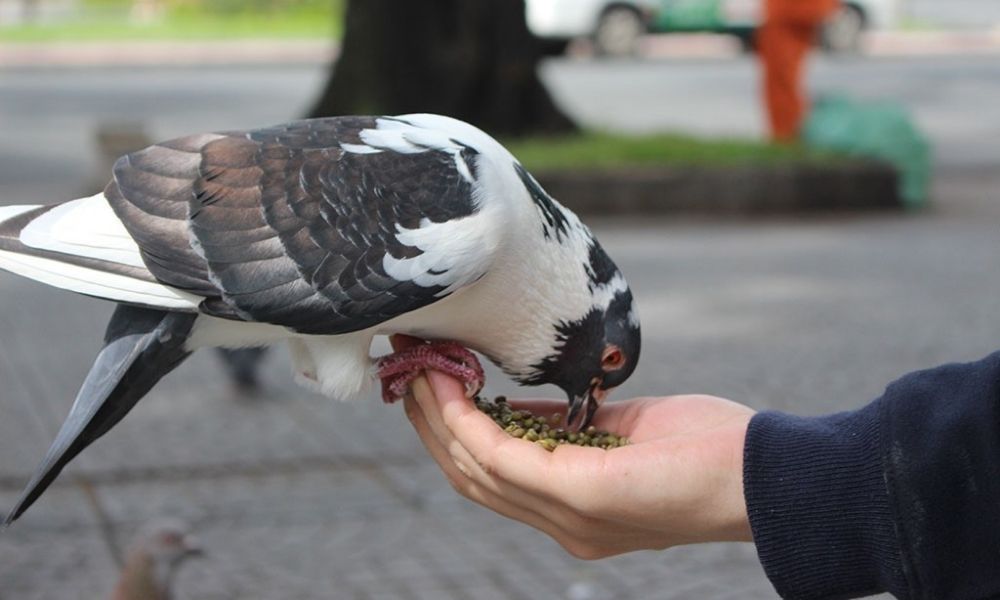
(399, 369)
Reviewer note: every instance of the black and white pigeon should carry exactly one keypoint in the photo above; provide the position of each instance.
(323, 234)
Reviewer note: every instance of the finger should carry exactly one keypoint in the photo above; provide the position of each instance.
(583, 542)
(426, 400)
(485, 470)
(450, 391)
(452, 416)
(567, 526)
(524, 465)
(470, 488)
(464, 461)
(470, 465)
(454, 471)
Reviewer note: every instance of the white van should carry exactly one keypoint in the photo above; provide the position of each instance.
(616, 25)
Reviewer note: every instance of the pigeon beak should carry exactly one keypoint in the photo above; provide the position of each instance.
(192, 546)
(585, 406)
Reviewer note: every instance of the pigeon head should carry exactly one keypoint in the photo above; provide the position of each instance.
(598, 351)
(167, 542)
(153, 558)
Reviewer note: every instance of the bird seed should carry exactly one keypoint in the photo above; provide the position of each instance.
(536, 428)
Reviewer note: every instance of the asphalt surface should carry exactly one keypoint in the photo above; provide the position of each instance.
(296, 496)
(965, 14)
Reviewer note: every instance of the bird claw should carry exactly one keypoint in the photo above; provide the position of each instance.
(398, 370)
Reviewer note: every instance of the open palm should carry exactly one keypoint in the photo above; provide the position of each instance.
(679, 481)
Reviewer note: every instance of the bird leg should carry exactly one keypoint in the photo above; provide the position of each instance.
(242, 365)
(399, 369)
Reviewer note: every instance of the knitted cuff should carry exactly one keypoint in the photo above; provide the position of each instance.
(818, 504)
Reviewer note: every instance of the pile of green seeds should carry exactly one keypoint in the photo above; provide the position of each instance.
(529, 427)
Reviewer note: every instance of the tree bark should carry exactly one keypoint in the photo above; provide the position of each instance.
(470, 59)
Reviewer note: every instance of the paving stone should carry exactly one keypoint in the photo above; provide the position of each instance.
(57, 551)
(269, 498)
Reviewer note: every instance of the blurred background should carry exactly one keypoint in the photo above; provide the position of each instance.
(800, 275)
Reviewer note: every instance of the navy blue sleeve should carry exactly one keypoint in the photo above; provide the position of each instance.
(902, 495)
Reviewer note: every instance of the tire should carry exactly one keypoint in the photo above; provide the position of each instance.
(842, 33)
(618, 31)
(747, 41)
(553, 46)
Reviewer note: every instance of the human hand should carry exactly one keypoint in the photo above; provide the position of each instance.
(679, 481)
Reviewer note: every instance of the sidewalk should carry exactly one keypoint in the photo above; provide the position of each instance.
(165, 53)
(188, 53)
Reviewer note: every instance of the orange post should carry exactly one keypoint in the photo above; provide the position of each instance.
(783, 43)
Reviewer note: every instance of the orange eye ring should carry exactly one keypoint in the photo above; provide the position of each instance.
(612, 359)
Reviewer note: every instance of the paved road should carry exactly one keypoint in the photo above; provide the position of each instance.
(965, 14)
(298, 497)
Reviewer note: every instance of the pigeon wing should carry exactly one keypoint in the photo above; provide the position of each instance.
(323, 226)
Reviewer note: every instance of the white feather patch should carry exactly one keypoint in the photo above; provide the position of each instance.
(338, 366)
(405, 138)
(604, 294)
(85, 227)
(454, 130)
(359, 149)
(342, 365)
(633, 317)
(453, 253)
(96, 283)
(389, 140)
(211, 332)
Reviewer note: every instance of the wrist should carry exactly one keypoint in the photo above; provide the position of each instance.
(734, 523)
(721, 510)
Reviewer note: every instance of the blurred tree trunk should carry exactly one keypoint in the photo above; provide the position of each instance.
(470, 59)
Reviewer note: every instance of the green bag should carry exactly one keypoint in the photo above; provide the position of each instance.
(879, 130)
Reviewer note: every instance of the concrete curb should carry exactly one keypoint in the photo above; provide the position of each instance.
(727, 190)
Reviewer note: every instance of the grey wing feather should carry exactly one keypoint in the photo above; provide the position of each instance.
(282, 226)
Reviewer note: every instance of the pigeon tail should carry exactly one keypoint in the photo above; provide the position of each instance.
(141, 346)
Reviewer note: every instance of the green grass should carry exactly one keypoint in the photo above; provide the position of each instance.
(110, 22)
(245, 27)
(592, 150)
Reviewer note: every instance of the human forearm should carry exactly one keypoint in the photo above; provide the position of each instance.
(818, 504)
(899, 496)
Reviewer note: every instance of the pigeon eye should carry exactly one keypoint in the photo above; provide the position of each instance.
(613, 359)
(170, 538)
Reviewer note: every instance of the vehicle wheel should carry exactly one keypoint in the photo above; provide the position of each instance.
(842, 33)
(618, 31)
(748, 41)
(553, 46)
